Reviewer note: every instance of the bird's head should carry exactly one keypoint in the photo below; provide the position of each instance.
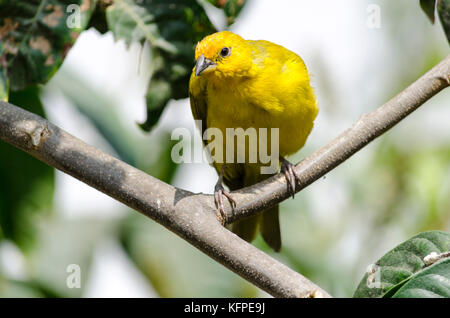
(223, 54)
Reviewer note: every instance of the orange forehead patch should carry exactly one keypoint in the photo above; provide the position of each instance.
(213, 43)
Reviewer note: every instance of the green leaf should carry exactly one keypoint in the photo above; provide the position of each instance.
(27, 185)
(138, 22)
(232, 8)
(444, 16)
(428, 6)
(173, 28)
(432, 282)
(396, 267)
(37, 35)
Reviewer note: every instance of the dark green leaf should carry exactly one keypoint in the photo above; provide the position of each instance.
(98, 18)
(172, 28)
(444, 16)
(26, 187)
(37, 35)
(428, 6)
(138, 22)
(394, 269)
(432, 282)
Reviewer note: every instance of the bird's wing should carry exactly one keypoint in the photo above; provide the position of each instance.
(197, 96)
(271, 55)
(233, 175)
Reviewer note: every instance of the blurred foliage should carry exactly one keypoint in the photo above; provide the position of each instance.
(148, 153)
(72, 246)
(36, 37)
(21, 289)
(444, 15)
(403, 264)
(414, 178)
(172, 28)
(232, 8)
(443, 9)
(4, 81)
(97, 107)
(26, 187)
(429, 6)
(159, 254)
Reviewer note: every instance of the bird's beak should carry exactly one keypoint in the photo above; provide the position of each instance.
(203, 64)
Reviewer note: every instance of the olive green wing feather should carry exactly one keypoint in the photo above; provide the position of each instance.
(197, 96)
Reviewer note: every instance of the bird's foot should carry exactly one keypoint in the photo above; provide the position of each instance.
(219, 193)
(290, 174)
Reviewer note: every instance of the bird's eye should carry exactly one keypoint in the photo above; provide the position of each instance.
(225, 52)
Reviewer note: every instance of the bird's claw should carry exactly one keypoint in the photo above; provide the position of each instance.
(219, 192)
(290, 174)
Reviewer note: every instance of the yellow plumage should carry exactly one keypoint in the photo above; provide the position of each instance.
(257, 84)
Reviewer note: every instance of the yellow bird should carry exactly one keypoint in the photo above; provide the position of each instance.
(243, 83)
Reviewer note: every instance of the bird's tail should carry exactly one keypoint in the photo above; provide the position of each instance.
(269, 226)
(246, 229)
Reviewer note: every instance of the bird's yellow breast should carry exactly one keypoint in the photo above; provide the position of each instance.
(277, 94)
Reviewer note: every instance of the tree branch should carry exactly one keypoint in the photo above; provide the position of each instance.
(193, 216)
(254, 199)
